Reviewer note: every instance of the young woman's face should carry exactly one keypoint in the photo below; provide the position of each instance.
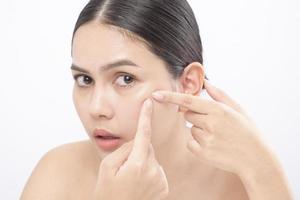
(111, 98)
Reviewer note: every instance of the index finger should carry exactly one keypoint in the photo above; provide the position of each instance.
(143, 134)
(219, 95)
(188, 101)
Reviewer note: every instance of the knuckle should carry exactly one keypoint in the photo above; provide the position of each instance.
(195, 131)
(209, 127)
(208, 138)
(197, 135)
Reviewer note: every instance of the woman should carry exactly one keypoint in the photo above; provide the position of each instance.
(138, 72)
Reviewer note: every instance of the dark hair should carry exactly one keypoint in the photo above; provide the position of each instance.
(167, 27)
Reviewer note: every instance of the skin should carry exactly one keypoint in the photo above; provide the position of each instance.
(214, 157)
(225, 137)
(133, 166)
(116, 105)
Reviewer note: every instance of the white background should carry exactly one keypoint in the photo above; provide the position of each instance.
(251, 50)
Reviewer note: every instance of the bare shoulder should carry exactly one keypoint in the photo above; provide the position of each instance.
(58, 171)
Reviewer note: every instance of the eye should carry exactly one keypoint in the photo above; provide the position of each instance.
(125, 80)
(82, 80)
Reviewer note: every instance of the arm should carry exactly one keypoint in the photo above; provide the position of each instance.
(266, 181)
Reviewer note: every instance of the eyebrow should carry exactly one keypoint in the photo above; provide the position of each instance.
(106, 67)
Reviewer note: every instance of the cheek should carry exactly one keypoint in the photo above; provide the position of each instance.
(81, 109)
(127, 113)
(162, 121)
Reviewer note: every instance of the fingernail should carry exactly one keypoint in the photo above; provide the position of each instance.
(148, 102)
(157, 96)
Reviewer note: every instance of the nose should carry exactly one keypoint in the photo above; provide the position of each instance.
(99, 105)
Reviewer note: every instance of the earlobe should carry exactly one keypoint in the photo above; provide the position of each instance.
(192, 79)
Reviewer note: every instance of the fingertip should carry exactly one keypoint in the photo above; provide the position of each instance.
(194, 146)
(148, 102)
(157, 95)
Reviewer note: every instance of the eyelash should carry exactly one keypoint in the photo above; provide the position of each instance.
(75, 77)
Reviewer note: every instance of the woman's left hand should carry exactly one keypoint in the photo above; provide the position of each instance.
(225, 136)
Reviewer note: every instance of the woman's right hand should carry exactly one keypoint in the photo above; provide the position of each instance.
(132, 172)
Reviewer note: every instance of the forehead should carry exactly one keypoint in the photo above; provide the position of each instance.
(95, 44)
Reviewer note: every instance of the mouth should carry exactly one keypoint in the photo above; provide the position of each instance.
(106, 140)
(103, 133)
(106, 137)
(108, 143)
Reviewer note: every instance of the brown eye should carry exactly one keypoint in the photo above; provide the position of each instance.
(125, 80)
(82, 80)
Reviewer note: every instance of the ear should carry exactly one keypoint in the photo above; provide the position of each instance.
(192, 79)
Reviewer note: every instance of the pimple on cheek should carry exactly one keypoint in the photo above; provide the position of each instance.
(142, 94)
(146, 92)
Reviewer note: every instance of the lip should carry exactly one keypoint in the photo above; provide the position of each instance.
(102, 132)
(106, 143)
